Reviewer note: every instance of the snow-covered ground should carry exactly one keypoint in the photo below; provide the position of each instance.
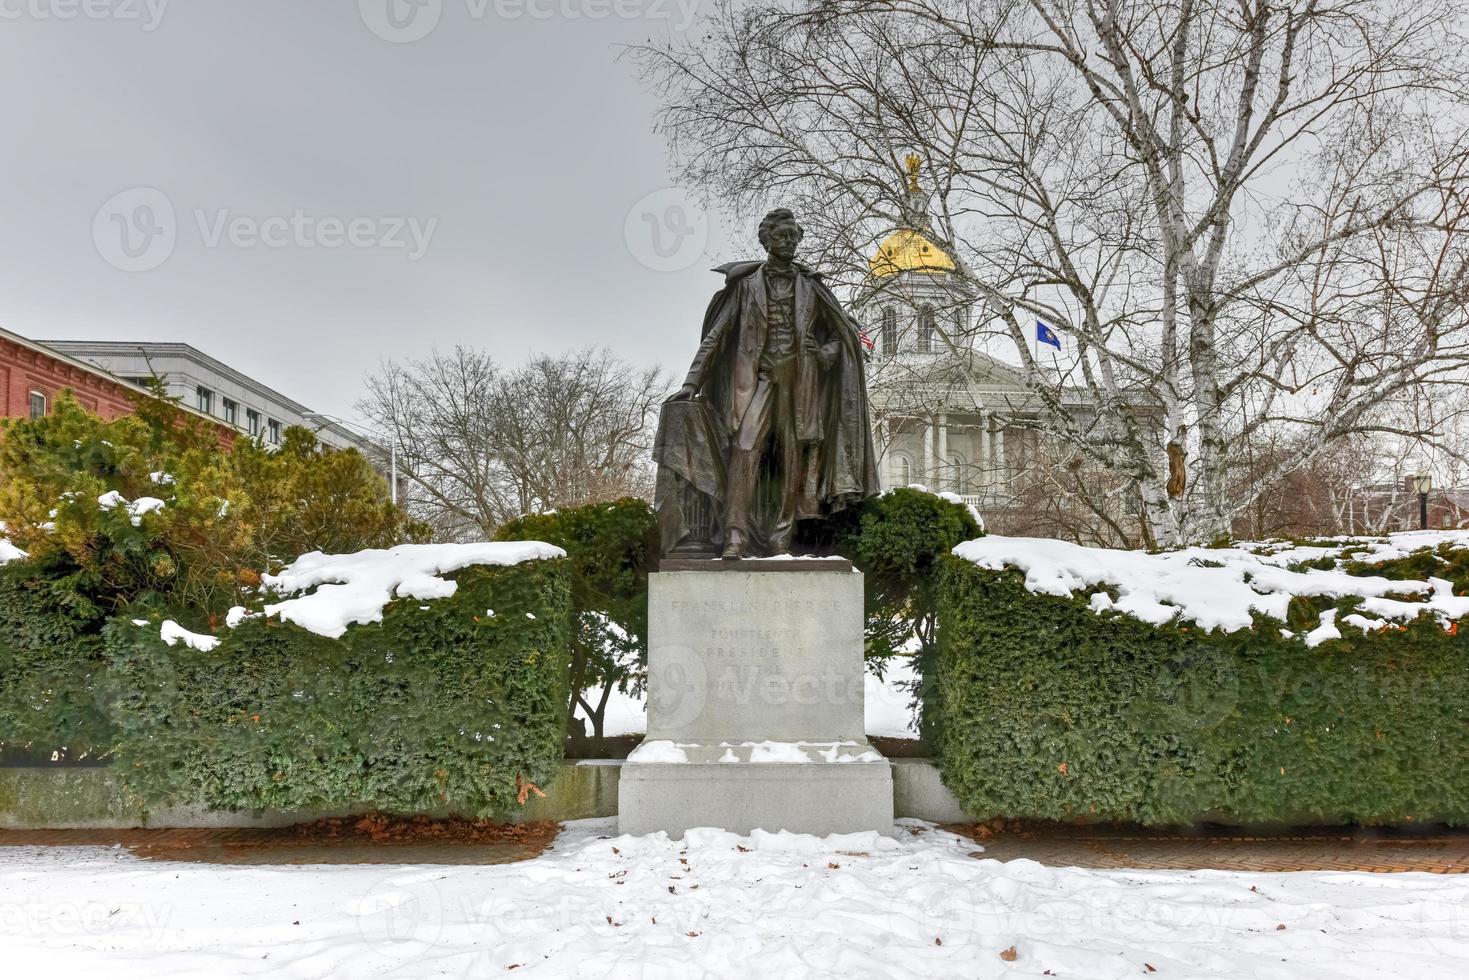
(886, 703)
(771, 906)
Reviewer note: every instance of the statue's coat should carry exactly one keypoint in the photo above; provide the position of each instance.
(840, 465)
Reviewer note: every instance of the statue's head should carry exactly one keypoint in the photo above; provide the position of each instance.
(780, 234)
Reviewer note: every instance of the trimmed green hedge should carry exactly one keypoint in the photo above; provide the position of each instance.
(50, 652)
(440, 706)
(1044, 709)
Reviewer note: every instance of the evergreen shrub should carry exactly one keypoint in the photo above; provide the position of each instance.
(1045, 709)
(454, 704)
(50, 652)
(610, 547)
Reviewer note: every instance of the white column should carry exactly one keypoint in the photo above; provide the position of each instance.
(945, 478)
(985, 463)
(884, 441)
(1000, 450)
(925, 454)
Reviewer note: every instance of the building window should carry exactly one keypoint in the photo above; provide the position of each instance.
(959, 474)
(204, 400)
(273, 432)
(231, 411)
(961, 322)
(38, 404)
(889, 330)
(925, 330)
(252, 423)
(902, 470)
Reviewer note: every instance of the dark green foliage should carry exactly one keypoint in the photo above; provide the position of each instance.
(443, 707)
(896, 539)
(1047, 710)
(50, 652)
(611, 547)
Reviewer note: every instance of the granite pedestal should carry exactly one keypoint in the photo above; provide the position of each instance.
(755, 703)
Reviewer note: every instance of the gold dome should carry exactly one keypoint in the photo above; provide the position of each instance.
(906, 250)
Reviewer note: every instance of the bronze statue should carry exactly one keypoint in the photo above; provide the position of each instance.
(771, 425)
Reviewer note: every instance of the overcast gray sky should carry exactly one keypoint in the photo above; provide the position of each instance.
(302, 189)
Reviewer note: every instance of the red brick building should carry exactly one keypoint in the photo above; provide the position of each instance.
(31, 376)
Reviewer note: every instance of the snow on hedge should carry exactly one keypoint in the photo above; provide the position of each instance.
(9, 552)
(354, 588)
(1220, 588)
(173, 634)
(135, 508)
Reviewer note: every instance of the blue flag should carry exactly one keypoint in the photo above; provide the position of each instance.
(1046, 335)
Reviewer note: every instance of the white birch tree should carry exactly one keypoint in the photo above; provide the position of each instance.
(1246, 217)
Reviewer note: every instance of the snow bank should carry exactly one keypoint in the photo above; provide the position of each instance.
(1220, 588)
(721, 907)
(9, 552)
(354, 588)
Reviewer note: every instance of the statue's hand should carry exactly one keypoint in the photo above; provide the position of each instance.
(684, 394)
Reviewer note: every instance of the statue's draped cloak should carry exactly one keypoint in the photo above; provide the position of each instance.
(839, 463)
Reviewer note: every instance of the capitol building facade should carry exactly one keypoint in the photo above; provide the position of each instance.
(946, 414)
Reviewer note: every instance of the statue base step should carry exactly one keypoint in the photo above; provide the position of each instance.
(804, 798)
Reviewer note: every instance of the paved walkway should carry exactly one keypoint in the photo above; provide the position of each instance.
(1443, 853)
(236, 846)
(1446, 853)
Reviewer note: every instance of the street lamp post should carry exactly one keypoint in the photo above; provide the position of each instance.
(1423, 485)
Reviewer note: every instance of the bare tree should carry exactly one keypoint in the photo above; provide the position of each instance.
(1248, 218)
(482, 445)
